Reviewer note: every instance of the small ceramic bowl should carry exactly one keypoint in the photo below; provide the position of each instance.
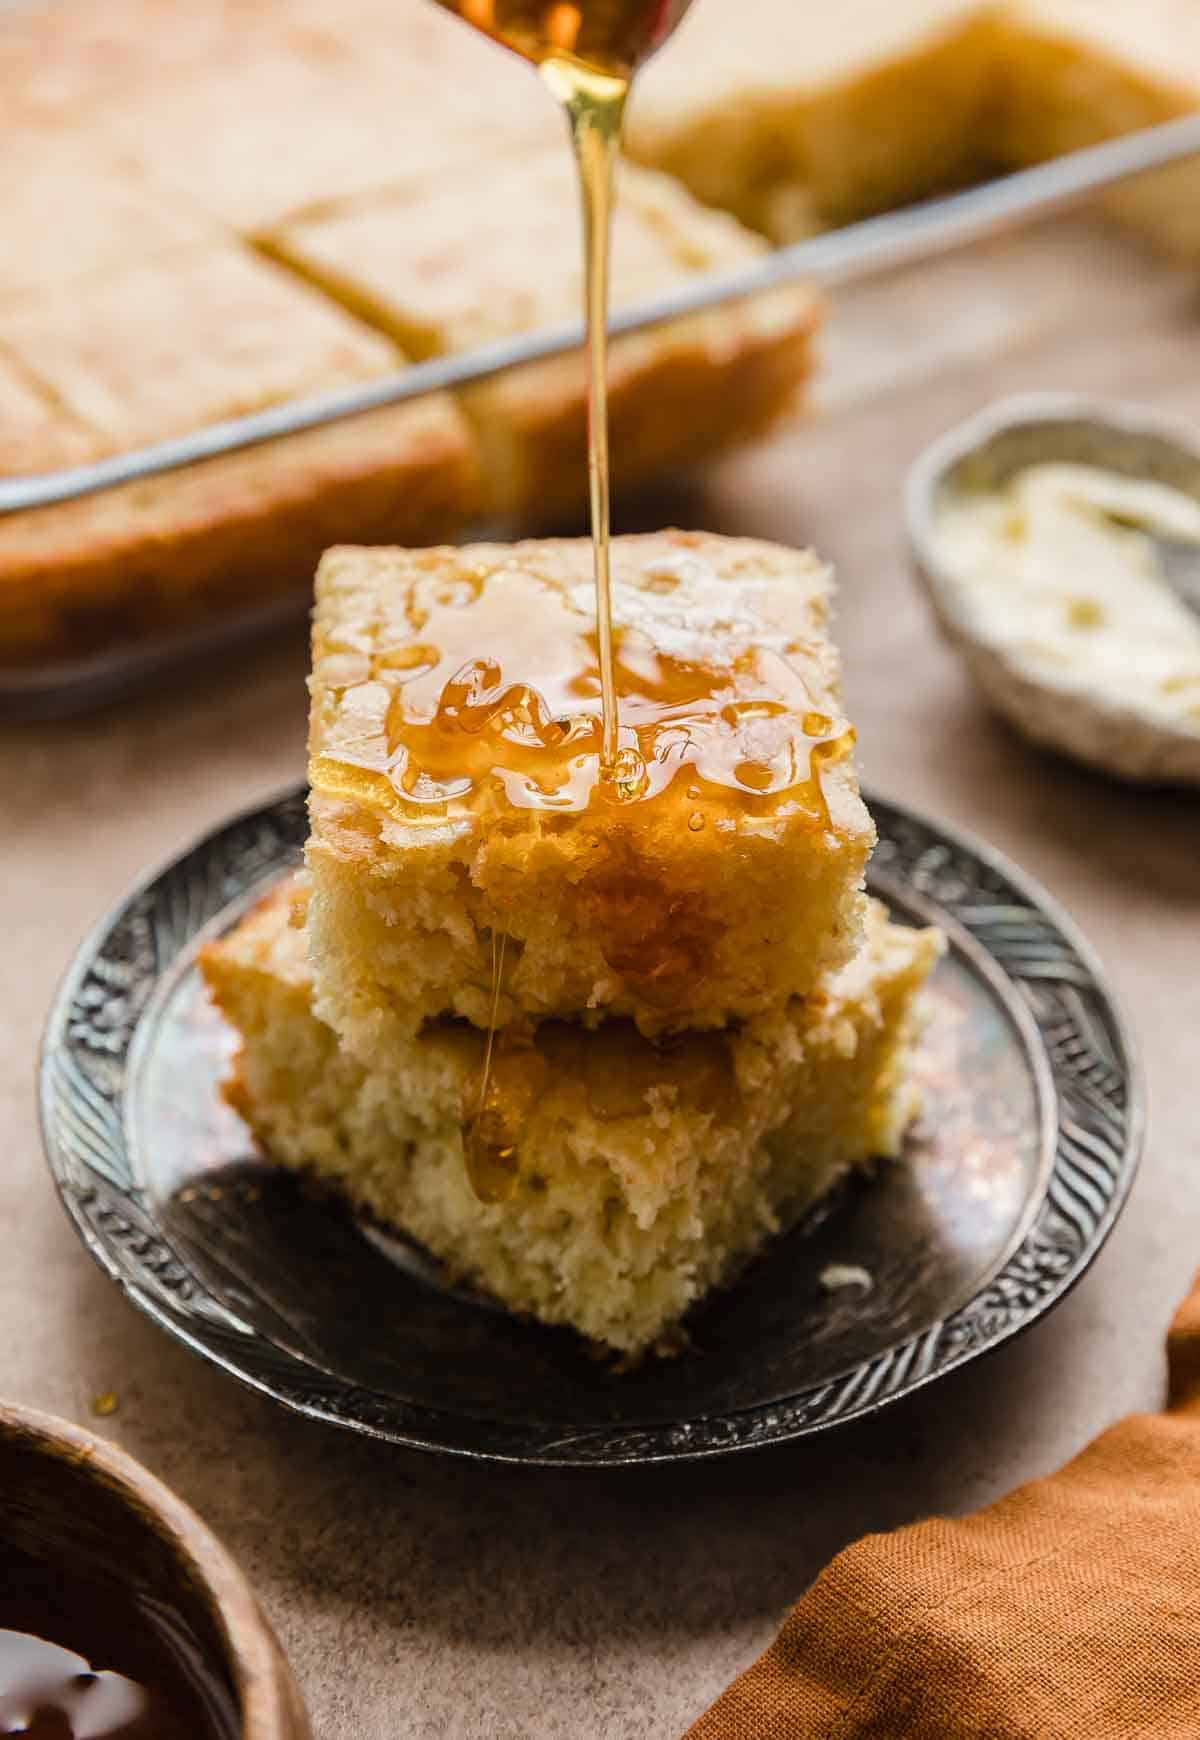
(92, 1519)
(1105, 730)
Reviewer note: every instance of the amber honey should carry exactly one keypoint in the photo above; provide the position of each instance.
(607, 36)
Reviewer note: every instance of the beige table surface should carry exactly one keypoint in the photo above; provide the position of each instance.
(424, 1598)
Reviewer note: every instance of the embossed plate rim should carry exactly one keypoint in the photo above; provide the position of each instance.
(84, 1132)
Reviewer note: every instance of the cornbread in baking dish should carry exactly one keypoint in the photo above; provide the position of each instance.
(166, 347)
(457, 796)
(183, 552)
(797, 117)
(143, 134)
(70, 209)
(34, 433)
(499, 254)
(643, 1175)
(1073, 72)
(801, 118)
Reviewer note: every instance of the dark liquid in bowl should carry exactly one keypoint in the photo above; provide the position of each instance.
(75, 1664)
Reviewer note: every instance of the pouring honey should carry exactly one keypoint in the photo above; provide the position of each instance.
(587, 51)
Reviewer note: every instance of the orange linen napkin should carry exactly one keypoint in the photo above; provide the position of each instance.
(1070, 1609)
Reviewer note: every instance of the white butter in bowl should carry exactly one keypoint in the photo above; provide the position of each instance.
(1047, 532)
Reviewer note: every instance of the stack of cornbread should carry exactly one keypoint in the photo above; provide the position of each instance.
(211, 206)
(590, 1041)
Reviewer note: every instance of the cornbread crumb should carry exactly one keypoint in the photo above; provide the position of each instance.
(645, 1176)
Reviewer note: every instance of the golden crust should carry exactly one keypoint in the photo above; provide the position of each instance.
(71, 64)
(1072, 73)
(796, 119)
(443, 276)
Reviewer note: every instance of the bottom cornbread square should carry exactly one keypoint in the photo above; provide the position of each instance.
(631, 1177)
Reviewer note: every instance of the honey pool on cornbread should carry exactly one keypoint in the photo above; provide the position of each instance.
(458, 796)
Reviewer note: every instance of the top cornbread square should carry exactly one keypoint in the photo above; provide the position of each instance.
(459, 814)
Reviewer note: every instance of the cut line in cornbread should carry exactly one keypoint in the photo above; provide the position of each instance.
(289, 132)
(35, 434)
(457, 800)
(643, 1176)
(500, 253)
(196, 549)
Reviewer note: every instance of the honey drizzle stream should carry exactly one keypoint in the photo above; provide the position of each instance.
(595, 106)
(487, 1148)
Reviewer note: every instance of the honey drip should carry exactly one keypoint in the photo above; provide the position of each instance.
(489, 1142)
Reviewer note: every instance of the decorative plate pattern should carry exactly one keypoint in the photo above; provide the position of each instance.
(778, 1357)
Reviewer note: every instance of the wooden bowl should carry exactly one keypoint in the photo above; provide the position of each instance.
(92, 1516)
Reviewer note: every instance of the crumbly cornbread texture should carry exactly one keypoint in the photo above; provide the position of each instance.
(448, 274)
(644, 1175)
(458, 810)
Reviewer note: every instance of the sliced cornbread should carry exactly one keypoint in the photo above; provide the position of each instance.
(797, 117)
(642, 1175)
(457, 797)
(447, 274)
(1076, 71)
(74, 64)
(198, 548)
(167, 347)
